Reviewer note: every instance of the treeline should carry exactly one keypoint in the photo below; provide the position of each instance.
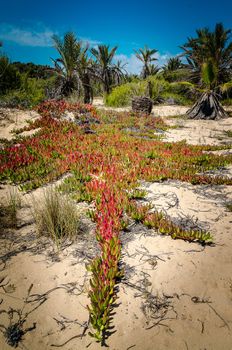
(80, 72)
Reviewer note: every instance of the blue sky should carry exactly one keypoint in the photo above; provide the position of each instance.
(27, 26)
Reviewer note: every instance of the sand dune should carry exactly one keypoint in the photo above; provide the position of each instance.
(175, 295)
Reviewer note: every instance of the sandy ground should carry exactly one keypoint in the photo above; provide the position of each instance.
(175, 295)
(157, 110)
(11, 119)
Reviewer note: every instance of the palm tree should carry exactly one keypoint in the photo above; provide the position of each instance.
(174, 70)
(85, 67)
(153, 69)
(105, 69)
(173, 64)
(210, 46)
(120, 68)
(146, 56)
(209, 57)
(69, 50)
(208, 106)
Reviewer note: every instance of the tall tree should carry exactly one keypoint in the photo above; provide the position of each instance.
(146, 56)
(69, 50)
(85, 68)
(174, 70)
(208, 106)
(210, 46)
(153, 69)
(120, 67)
(173, 64)
(105, 69)
(209, 57)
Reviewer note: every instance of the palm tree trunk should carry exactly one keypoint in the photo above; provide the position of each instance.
(88, 91)
(207, 107)
(106, 85)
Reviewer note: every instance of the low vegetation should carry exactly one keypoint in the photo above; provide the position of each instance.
(106, 166)
(108, 153)
(229, 206)
(8, 210)
(162, 91)
(83, 73)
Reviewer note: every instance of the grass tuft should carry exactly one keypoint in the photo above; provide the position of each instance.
(8, 211)
(229, 206)
(57, 217)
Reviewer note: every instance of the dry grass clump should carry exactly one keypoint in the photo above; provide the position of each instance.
(8, 211)
(56, 217)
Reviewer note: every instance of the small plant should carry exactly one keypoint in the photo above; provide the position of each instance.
(229, 206)
(8, 211)
(57, 217)
(138, 213)
(160, 222)
(228, 133)
(75, 185)
(91, 214)
(137, 194)
(124, 224)
(152, 155)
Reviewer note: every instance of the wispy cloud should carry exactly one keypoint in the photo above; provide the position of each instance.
(134, 65)
(39, 36)
(162, 58)
(90, 42)
(25, 37)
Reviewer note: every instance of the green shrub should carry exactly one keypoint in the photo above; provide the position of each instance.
(182, 92)
(122, 95)
(229, 206)
(178, 99)
(30, 93)
(177, 75)
(9, 76)
(159, 85)
(227, 102)
(181, 87)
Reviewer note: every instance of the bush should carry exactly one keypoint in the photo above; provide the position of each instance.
(176, 75)
(177, 98)
(30, 93)
(227, 102)
(159, 85)
(9, 76)
(181, 87)
(122, 95)
(57, 217)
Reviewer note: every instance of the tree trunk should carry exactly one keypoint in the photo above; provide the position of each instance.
(149, 89)
(207, 107)
(88, 91)
(142, 105)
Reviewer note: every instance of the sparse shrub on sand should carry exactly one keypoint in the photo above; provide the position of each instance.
(228, 133)
(229, 206)
(121, 95)
(56, 217)
(8, 211)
